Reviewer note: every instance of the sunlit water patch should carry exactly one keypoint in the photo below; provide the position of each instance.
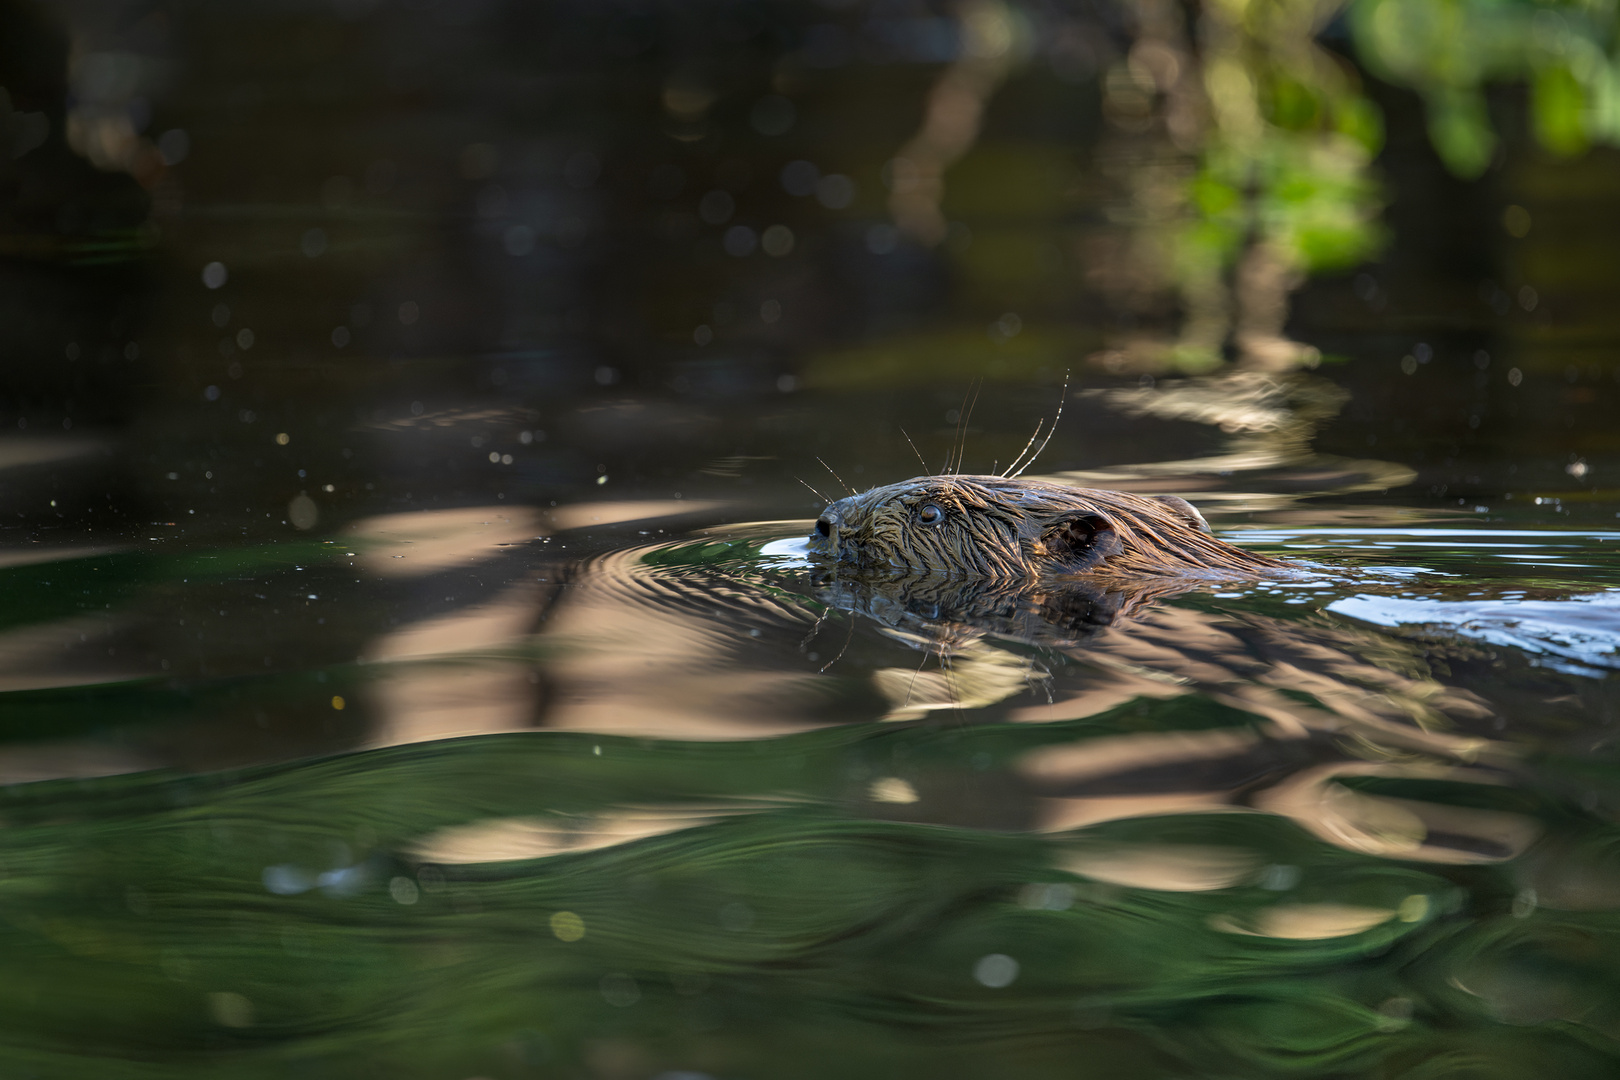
(1580, 634)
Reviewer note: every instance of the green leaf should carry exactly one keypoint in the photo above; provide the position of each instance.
(1558, 111)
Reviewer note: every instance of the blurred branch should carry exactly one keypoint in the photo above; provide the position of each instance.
(952, 116)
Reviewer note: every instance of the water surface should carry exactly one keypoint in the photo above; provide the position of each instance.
(410, 663)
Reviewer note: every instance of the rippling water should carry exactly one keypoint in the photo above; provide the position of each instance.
(411, 665)
(695, 805)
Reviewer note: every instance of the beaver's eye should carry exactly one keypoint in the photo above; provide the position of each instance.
(930, 514)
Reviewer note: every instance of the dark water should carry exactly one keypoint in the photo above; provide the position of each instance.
(409, 660)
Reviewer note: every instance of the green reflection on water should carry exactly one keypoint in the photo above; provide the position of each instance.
(277, 918)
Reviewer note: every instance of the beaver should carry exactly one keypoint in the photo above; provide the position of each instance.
(998, 527)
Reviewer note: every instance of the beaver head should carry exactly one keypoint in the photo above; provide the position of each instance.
(1003, 527)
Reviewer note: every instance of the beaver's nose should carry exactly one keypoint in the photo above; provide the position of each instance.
(827, 529)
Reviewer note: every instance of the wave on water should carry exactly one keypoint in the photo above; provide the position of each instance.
(1580, 635)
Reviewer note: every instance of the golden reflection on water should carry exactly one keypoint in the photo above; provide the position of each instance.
(31, 556)
(509, 839)
(585, 515)
(463, 673)
(62, 653)
(647, 652)
(422, 542)
(446, 677)
(1350, 680)
(19, 451)
(1165, 867)
(978, 675)
(1400, 828)
(1267, 422)
(637, 648)
(1305, 922)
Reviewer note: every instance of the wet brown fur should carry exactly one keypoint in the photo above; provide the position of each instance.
(1008, 528)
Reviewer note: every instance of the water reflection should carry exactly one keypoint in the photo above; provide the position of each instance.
(385, 689)
(1267, 425)
(1580, 635)
(418, 543)
(1072, 776)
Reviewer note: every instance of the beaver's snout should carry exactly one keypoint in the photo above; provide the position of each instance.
(828, 527)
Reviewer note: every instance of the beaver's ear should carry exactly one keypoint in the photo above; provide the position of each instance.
(1079, 540)
(1187, 511)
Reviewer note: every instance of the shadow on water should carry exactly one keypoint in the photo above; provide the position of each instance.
(410, 658)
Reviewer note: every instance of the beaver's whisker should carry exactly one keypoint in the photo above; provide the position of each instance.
(916, 451)
(1046, 678)
(1063, 396)
(813, 491)
(835, 476)
(816, 629)
(960, 411)
(945, 668)
(1038, 425)
(912, 685)
(967, 421)
(845, 649)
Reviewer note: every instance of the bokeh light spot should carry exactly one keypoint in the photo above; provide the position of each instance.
(835, 191)
(777, 241)
(995, 970)
(230, 1009)
(716, 207)
(740, 241)
(800, 178)
(882, 239)
(302, 512)
(567, 926)
(1516, 221)
(174, 145)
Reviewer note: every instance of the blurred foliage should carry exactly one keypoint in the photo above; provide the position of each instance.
(1289, 128)
(1284, 137)
(1566, 51)
(1279, 138)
